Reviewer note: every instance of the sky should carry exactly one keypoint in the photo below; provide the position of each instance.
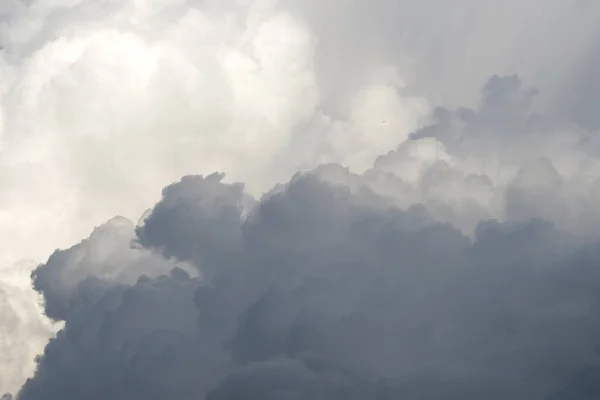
(297, 200)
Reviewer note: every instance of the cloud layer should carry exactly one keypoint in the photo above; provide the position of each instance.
(316, 293)
(420, 248)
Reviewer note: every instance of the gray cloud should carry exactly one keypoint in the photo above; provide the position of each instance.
(103, 102)
(332, 294)
(499, 160)
(80, 275)
(449, 52)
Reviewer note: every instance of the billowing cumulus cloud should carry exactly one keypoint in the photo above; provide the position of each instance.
(105, 102)
(500, 159)
(317, 292)
(434, 240)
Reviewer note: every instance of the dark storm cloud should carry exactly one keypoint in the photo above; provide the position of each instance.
(330, 295)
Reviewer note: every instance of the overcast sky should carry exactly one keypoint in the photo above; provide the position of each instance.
(381, 199)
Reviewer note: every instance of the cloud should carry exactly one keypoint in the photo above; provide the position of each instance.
(499, 160)
(450, 52)
(23, 331)
(318, 292)
(107, 256)
(104, 102)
